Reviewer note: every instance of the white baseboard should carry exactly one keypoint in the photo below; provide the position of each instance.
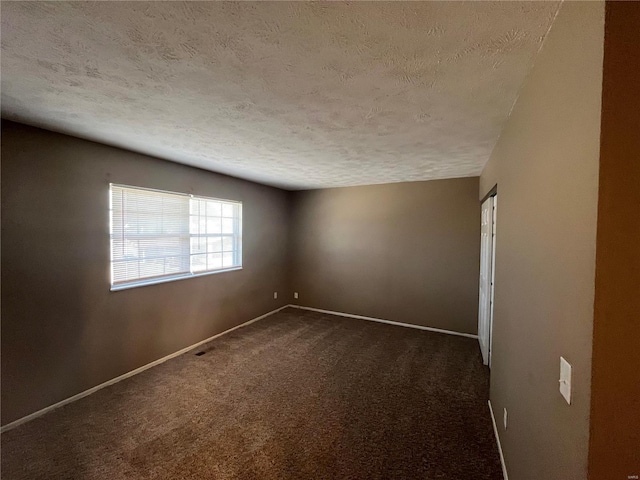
(495, 430)
(83, 394)
(390, 322)
(80, 395)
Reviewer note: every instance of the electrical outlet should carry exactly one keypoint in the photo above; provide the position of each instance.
(505, 418)
(275, 294)
(295, 295)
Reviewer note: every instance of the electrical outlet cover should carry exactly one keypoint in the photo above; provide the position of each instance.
(565, 380)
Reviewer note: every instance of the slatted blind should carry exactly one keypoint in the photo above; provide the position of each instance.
(159, 236)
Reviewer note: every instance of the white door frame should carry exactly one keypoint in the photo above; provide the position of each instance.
(493, 271)
(487, 276)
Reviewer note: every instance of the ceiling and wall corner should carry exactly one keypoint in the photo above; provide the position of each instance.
(296, 95)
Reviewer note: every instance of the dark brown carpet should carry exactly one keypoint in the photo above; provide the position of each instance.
(298, 395)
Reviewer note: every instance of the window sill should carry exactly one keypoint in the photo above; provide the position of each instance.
(154, 281)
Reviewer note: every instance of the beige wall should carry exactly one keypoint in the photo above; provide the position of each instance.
(407, 252)
(489, 177)
(615, 390)
(546, 168)
(63, 331)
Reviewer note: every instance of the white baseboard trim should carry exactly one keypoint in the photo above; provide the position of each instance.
(390, 322)
(495, 430)
(80, 395)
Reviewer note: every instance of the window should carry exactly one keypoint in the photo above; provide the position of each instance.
(160, 236)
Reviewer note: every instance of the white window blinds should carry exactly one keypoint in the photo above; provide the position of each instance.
(158, 236)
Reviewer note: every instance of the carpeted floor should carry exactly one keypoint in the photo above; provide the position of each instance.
(298, 395)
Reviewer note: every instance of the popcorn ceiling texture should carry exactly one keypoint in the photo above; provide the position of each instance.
(297, 95)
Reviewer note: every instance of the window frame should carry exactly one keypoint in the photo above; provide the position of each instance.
(237, 251)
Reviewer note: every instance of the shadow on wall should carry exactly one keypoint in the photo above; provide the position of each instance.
(408, 252)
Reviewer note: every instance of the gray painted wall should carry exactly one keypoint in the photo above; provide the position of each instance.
(408, 252)
(63, 331)
(546, 168)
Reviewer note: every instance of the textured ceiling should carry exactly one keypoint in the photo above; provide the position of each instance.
(296, 95)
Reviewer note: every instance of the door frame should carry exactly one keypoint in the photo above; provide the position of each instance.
(486, 293)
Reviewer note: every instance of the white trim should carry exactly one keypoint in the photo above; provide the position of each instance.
(182, 194)
(390, 322)
(172, 278)
(80, 395)
(495, 430)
